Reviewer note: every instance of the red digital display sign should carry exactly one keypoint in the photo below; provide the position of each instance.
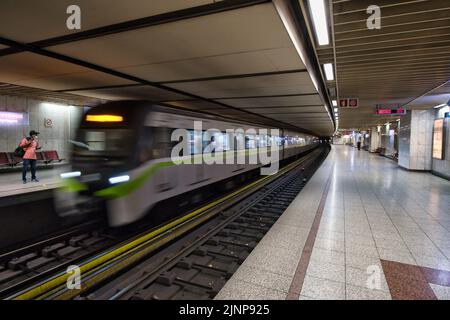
(390, 111)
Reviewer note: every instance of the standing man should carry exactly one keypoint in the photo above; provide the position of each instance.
(359, 141)
(30, 145)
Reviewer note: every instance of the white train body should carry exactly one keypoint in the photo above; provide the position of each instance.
(131, 181)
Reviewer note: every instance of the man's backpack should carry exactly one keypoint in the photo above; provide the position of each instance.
(19, 152)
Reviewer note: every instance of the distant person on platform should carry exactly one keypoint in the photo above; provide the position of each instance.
(359, 142)
(30, 145)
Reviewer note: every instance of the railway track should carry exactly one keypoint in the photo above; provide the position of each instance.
(37, 260)
(188, 258)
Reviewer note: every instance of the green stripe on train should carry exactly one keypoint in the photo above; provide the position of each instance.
(73, 185)
(122, 190)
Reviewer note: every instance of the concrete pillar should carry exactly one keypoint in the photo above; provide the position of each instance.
(415, 140)
(374, 143)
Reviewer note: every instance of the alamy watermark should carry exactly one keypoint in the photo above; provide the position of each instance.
(232, 146)
(74, 277)
(374, 21)
(374, 277)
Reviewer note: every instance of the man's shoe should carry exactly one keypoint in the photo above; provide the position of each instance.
(35, 180)
(24, 181)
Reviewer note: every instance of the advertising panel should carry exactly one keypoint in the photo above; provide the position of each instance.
(438, 139)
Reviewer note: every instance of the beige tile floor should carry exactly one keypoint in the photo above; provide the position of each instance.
(373, 211)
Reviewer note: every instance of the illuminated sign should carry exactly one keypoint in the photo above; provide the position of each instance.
(18, 118)
(348, 103)
(438, 139)
(103, 118)
(390, 111)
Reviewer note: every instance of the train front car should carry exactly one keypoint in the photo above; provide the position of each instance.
(103, 155)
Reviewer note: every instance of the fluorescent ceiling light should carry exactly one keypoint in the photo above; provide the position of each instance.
(119, 179)
(336, 110)
(73, 174)
(334, 103)
(440, 106)
(319, 17)
(328, 67)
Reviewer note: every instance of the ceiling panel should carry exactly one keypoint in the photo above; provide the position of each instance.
(286, 110)
(207, 36)
(28, 69)
(277, 102)
(291, 83)
(134, 93)
(267, 60)
(19, 18)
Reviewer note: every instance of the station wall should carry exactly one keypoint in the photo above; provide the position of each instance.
(64, 120)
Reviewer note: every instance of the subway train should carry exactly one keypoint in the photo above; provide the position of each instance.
(125, 159)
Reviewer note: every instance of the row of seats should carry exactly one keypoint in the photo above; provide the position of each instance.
(9, 159)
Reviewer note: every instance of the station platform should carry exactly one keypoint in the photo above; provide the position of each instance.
(362, 228)
(11, 182)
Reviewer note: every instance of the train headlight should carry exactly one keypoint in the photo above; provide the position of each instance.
(119, 179)
(67, 175)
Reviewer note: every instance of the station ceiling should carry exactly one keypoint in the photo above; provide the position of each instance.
(405, 62)
(232, 58)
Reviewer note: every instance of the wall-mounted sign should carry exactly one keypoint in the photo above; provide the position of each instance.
(348, 103)
(438, 139)
(14, 118)
(388, 105)
(388, 112)
(48, 123)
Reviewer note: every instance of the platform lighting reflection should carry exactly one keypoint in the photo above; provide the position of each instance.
(67, 175)
(329, 73)
(103, 118)
(319, 17)
(119, 179)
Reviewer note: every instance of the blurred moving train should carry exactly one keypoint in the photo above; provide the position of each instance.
(121, 160)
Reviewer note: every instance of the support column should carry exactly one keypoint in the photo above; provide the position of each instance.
(415, 140)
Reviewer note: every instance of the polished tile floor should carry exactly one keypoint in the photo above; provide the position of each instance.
(376, 211)
(384, 233)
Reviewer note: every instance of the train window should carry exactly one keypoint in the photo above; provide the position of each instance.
(239, 141)
(110, 140)
(95, 140)
(195, 142)
(155, 143)
(250, 142)
(162, 144)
